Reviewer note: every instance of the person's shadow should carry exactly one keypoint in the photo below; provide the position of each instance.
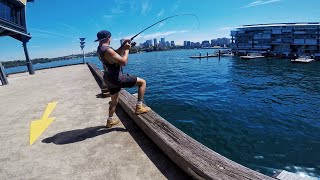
(80, 135)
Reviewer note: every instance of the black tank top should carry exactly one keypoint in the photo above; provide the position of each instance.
(111, 71)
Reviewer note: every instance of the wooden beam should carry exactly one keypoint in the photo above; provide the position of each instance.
(99, 78)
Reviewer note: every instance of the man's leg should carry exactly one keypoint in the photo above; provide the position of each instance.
(113, 104)
(112, 108)
(142, 84)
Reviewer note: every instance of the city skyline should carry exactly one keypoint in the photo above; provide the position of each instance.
(56, 34)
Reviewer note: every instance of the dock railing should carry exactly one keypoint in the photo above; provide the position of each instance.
(197, 160)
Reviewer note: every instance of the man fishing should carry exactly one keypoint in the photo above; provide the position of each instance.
(112, 61)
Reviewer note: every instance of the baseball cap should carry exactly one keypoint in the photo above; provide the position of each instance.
(103, 35)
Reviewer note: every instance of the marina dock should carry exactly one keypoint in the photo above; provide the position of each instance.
(205, 56)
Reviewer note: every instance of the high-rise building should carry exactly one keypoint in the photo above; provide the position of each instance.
(173, 44)
(148, 43)
(155, 42)
(287, 39)
(188, 44)
(214, 42)
(163, 40)
(205, 43)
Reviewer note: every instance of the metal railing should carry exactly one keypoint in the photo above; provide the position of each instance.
(3, 76)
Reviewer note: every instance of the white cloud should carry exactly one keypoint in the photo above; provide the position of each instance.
(260, 2)
(159, 34)
(161, 24)
(176, 6)
(145, 8)
(117, 10)
(152, 35)
(46, 33)
(108, 16)
(227, 28)
(160, 13)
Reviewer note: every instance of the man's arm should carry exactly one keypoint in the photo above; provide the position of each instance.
(122, 48)
(116, 58)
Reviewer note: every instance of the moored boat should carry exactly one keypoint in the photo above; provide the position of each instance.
(303, 59)
(252, 56)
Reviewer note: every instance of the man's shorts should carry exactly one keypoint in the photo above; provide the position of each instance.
(124, 81)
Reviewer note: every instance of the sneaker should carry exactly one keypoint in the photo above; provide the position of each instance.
(140, 109)
(112, 122)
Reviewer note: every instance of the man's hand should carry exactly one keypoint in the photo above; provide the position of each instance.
(127, 46)
(127, 41)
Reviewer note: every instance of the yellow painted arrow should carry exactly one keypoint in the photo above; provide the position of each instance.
(38, 126)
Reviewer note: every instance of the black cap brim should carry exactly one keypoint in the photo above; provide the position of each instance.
(100, 39)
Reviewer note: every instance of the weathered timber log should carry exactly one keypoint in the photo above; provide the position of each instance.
(98, 75)
(194, 158)
(197, 160)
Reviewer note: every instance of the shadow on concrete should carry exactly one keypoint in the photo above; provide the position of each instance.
(79, 135)
(168, 168)
(100, 96)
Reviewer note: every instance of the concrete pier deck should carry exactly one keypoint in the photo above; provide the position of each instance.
(76, 145)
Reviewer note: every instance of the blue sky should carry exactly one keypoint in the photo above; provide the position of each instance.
(56, 25)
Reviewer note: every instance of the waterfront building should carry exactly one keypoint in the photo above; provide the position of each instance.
(220, 42)
(172, 44)
(147, 44)
(13, 23)
(155, 42)
(205, 44)
(214, 42)
(188, 44)
(185, 44)
(167, 43)
(223, 41)
(281, 39)
(163, 41)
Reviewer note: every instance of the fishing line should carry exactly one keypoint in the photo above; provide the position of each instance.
(164, 20)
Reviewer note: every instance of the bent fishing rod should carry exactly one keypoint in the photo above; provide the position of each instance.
(160, 22)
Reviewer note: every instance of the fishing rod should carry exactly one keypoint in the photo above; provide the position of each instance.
(160, 22)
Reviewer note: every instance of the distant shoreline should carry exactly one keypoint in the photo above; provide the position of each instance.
(17, 63)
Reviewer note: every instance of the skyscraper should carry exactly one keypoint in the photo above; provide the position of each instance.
(155, 42)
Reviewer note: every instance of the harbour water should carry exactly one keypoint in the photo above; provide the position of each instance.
(263, 114)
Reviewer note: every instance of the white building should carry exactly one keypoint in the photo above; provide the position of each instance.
(285, 39)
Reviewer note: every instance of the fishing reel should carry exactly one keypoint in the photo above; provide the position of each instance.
(133, 44)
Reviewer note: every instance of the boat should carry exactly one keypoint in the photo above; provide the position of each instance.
(227, 54)
(207, 56)
(302, 59)
(252, 56)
